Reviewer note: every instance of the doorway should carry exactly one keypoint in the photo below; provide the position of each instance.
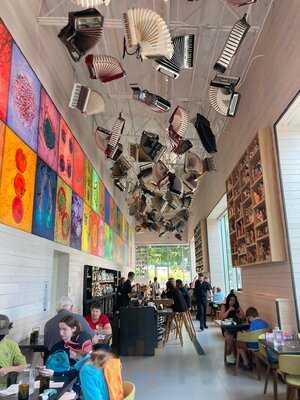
(60, 278)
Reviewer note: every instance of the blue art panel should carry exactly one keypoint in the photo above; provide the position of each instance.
(76, 221)
(24, 99)
(44, 201)
(107, 207)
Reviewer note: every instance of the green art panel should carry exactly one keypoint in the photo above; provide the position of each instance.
(88, 182)
(96, 192)
(108, 242)
(101, 198)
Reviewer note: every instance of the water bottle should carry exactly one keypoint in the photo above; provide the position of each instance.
(277, 335)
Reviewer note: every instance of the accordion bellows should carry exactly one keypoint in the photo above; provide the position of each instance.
(109, 141)
(222, 95)
(82, 32)
(104, 68)
(146, 30)
(86, 100)
(87, 3)
(178, 122)
(232, 44)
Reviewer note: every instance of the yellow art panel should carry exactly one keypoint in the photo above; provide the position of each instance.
(17, 182)
(63, 213)
(85, 239)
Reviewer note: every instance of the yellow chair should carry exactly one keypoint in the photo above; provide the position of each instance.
(289, 367)
(129, 390)
(271, 367)
(250, 337)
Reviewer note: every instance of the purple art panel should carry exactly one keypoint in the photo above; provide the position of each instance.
(76, 221)
(24, 99)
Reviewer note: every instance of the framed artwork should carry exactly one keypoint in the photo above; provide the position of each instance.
(24, 99)
(101, 198)
(17, 182)
(48, 134)
(2, 136)
(112, 215)
(96, 192)
(85, 240)
(78, 169)
(44, 201)
(100, 251)
(94, 232)
(107, 207)
(5, 64)
(88, 182)
(108, 242)
(65, 153)
(76, 221)
(63, 213)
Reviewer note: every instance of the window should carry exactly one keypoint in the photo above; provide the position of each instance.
(232, 276)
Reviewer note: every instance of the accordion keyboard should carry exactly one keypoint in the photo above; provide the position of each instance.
(79, 97)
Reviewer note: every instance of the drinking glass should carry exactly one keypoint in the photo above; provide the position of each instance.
(23, 393)
(44, 383)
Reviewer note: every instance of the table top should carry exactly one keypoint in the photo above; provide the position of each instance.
(289, 347)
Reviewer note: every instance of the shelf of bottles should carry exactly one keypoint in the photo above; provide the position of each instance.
(199, 248)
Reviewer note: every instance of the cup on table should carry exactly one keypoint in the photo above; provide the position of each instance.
(23, 392)
(44, 383)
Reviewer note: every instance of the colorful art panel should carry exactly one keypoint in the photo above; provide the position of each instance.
(107, 207)
(100, 251)
(96, 192)
(78, 169)
(101, 199)
(112, 215)
(85, 240)
(5, 63)
(63, 213)
(76, 221)
(2, 135)
(44, 201)
(48, 135)
(17, 183)
(108, 242)
(24, 99)
(88, 184)
(65, 153)
(94, 232)
(126, 256)
(118, 247)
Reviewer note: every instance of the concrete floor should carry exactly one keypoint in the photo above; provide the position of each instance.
(175, 373)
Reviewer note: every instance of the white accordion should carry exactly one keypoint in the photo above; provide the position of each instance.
(86, 100)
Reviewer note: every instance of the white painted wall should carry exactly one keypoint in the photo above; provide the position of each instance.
(215, 253)
(289, 150)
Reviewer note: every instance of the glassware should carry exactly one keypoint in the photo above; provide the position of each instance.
(44, 383)
(23, 392)
(278, 337)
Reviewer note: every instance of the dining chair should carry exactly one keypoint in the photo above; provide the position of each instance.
(289, 368)
(249, 337)
(271, 364)
(129, 390)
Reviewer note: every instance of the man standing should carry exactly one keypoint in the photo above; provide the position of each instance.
(51, 330)
(201, 289)
(126, 290)
(155, 288)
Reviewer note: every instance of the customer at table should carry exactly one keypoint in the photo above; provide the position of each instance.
(184, 292)
(172, 292)
(256, 324)
(231, 310)
(11, 358)
(51, 330)
(202, 288)
(126, 291)
(218, 296)
(98, 321)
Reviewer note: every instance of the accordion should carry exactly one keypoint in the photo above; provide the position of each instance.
(150, 149)
(222, 95)
(109, 141)
(119, 173)
(206, 135)
(176, 185)
(183, 57)
(232, 44)
(85, 3)
(104, 68)
(240, 3)
(86, 100)
(178, 124)
(82, 32)
(155, 102)
(148, 33)
(194, 168)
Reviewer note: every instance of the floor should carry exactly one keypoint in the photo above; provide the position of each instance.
(176, 372)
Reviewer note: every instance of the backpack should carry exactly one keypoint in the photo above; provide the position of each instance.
(58, 362)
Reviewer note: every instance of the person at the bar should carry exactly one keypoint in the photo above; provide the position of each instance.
(11, 358)
(126, 290)
(98, 321)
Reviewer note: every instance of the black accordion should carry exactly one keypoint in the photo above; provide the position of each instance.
(82, 32)
(154, 101)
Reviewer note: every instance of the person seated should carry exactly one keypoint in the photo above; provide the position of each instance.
(11, 358)
(175, 294)
(101, 377)
(218, 296)
(97, 321)
(256, 324)
(184, 292)
(231, 310)
(74, 345)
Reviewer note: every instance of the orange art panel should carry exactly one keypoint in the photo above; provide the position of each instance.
(63, 213)
(65, 153)
(17, 183)
(2, 134)
(78, 169)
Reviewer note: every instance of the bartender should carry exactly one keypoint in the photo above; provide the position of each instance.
(126, 290)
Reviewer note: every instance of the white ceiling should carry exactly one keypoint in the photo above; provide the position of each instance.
(211, 22)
